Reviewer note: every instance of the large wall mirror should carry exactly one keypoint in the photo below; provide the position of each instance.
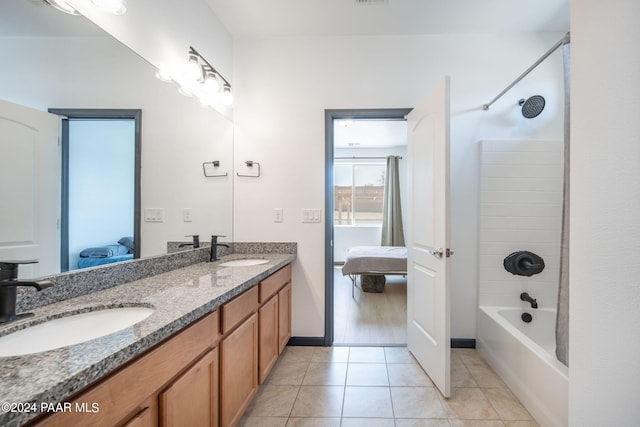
(58, 61)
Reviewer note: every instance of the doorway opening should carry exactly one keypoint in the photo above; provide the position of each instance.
(100, 204)
(358, 143)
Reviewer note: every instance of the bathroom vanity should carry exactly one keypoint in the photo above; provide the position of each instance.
(213, 337)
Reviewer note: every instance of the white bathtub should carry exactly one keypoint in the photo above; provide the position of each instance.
(523, 355)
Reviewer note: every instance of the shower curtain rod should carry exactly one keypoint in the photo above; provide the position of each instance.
(363, 158)
(566, 39)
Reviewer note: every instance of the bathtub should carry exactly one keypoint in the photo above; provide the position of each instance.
(523, 355)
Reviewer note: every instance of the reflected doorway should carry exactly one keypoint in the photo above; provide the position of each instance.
(100, 219)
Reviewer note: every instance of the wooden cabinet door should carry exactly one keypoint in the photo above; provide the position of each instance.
(284, 317)
(238, 371)
(268, 348)
(141, 419)
(192, 399)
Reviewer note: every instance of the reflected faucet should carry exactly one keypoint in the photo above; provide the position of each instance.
(214, 248)
(195, 244)
(526, 297)
(8, 289)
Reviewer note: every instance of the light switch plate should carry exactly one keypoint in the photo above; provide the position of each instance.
(187, 214)
(153, 214)
(278, 214)
(312, 215)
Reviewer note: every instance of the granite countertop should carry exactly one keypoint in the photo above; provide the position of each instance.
(179, 298)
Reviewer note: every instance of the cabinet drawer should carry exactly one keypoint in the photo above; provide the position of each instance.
(273, 283)
(239, 309)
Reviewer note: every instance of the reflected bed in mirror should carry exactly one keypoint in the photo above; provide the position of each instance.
(63, 61)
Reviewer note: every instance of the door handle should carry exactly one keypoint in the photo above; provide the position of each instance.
(438, 253)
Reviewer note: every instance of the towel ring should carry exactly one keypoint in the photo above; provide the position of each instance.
(250, 164)
(215, 164)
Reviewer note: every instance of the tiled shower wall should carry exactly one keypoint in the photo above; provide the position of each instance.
(520, 209)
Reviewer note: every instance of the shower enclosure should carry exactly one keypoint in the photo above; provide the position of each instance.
(524, 207)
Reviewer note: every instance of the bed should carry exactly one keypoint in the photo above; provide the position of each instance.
(107, 254)
(374, 261)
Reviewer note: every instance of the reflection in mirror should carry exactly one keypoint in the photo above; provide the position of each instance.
(61, 61)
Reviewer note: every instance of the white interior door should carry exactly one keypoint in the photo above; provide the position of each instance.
(29, 188)
(428, 331)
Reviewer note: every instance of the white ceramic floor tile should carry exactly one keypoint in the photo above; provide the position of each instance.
(366, 355)
(367, 402)
(367, 374)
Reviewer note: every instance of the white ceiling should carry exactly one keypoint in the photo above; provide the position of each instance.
(285, 18)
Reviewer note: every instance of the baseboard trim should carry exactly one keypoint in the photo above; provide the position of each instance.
(320, 342)
(308, 341)
(463, 343)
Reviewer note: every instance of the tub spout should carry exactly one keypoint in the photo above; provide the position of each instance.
(526, 297)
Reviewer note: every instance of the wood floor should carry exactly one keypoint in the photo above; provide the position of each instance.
(370, 318)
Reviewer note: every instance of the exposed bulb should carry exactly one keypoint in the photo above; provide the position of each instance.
(226, 98)
(63, 6)
(163, 75)
(192, 69)
(183, 90)
(211, 84)
(114, 7)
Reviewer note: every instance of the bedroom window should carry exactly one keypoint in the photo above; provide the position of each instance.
(358, 193)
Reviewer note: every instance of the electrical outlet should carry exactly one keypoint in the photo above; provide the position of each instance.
(277, 215)
(153, 214)
(187, 215)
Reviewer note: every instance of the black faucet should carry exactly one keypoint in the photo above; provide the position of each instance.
(195, 244)
(8, 289)
(526, 297)
(214, 248)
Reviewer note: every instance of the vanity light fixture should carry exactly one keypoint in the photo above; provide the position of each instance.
(198, 77)
(114, 7)
(62, 6)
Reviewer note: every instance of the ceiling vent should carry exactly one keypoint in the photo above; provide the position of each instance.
(369, 2)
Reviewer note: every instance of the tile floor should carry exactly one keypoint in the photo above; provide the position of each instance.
(380, 387)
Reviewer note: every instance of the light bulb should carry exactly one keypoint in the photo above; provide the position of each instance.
(163, 75)
(211, 84)
(183, 90)
(63, 6)
(226, 98)
(115, 7)
(192, 69)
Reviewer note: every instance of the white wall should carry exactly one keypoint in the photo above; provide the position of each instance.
(345, 237)
(605, 214)
(178, 134)
(520, 210)
(283, 88)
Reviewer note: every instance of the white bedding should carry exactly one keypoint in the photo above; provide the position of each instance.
(376, 260)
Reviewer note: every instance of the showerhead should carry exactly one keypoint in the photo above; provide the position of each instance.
(532, 107)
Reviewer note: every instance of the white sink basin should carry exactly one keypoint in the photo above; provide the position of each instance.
(69, 330)
(243, 262)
